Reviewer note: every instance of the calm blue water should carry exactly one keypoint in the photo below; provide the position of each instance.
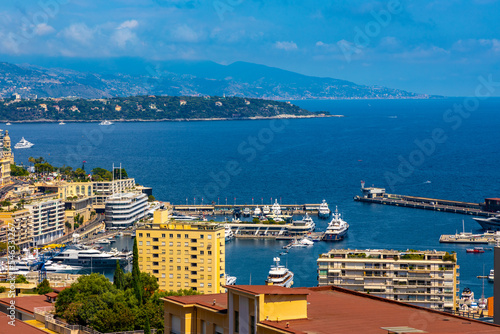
(307, 160)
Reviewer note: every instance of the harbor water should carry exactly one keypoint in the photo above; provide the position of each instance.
(412, 147)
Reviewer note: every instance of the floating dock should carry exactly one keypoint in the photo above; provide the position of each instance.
(378, 196)
(469, 238)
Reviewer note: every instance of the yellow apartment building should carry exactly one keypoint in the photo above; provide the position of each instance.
(22, 222)
(183, 255)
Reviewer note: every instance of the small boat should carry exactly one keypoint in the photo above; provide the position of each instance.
(23, 143)
(324, 210)
(491, 276)
(183, 217)
(62, 123)
(279, 275)
(103, 242)
(8, 123)
(106, 122)
(475, 250)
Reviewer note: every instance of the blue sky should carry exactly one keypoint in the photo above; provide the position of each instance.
(434, 47)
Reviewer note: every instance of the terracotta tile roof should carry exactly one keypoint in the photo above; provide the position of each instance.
(28, 303)
(335, 310)
(19, 328)
(202, 300)
(51, 294)
(268, 290)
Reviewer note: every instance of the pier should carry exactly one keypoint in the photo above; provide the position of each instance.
(378, 196)
(469, 238)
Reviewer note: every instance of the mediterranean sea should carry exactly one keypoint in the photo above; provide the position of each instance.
(444, 148)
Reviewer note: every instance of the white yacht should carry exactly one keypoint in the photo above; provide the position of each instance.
(91, 258)
(324, 210)
(23, 143)
(279, 275)
(8, 123)
(62, 123)
(265, 210)
(303, 226)
(247, 212)
(276, 209)
(304, 242)
(228, 233)
(491, 276)
(337, 228)
(106, 122)
(60, 268)
(230, 280)
(257, 212)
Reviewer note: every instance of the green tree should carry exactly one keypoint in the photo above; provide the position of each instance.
(43, 287)
(122, 175)
(118, 279)
(21, 279)
(18, 171)
(151, 198)
(136, 273)
(147, 330)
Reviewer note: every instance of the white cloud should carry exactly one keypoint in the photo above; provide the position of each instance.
(130, 24)
(79, 32)
(287, 46)
(44, 29)
(320, 43)
(471, 45)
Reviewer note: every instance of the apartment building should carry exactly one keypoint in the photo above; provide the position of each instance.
(423, 278)
(21, 221)
(123, 210)
(103, 189)
(48, 219)
(183, 255)
(6, 158)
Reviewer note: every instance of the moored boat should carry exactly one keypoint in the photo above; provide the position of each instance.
(475, 250)
(279, 275)
(324, 210)
(337, 228)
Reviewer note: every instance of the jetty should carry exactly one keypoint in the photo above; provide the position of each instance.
(379, 196)
(469, 238)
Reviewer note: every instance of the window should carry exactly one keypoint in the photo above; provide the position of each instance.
(178, 236)
(171, 244)
(186, 268)
(209, 252)
(163, 243)
(178, 244)
(201, 236)
(252, 324)
(148, 235)
(155, 271)
(163, 235)
(155, 239)
(178, 267)
(154, 247)
(140, 243)
(178, 252)
(171, 235)
(209, 237)
(202, 252)
(163, 275)
(236, 321)
(147, 243)
(155, 263)
(186, 276)
(171, 276)
(193, 240)
(171, 252)
(155, 255)
(140, 234)
(186, 244)
(186, 236)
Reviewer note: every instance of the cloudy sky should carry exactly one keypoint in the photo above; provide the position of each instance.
(434, 47)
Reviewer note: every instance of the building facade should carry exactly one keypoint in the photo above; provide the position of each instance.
(22, 222)
(6, 158)
(187, 255)
(423, 278)
(103, 189)
(48, 218)
(123, 210)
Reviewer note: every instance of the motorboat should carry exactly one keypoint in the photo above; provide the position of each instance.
(279, 275)
(183, 217)
(475, 250)
(276, 208)
(467, 296)
(23, 143)
(324, 210)
(491, 276)
(62, 123)
(8, 123)
(337, 228)
(106, 122)
(91, 258)
(50, 266)
(266, 210)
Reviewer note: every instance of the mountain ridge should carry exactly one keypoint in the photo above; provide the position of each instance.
(94, 78)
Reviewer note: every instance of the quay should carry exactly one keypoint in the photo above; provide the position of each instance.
(228, 209)
(378, 196)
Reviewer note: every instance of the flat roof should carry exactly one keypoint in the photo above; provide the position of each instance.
(28, 304)
(336, 310)
(20, 327)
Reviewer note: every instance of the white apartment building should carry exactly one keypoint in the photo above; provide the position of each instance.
(122, 210)
(422, 278)
(48, 219)
(103, 189)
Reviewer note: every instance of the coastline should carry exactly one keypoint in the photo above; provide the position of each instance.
(253, 118)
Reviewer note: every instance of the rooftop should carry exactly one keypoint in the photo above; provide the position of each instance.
(20, 327)
(27, 304)
(268, 290)
(217, 302)
(355, 312)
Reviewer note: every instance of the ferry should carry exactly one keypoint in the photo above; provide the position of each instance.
(106, 122)
(475, 250)
(324, 210)
(337, 228)
(23, 143)
(279, 275)
(489, 224)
